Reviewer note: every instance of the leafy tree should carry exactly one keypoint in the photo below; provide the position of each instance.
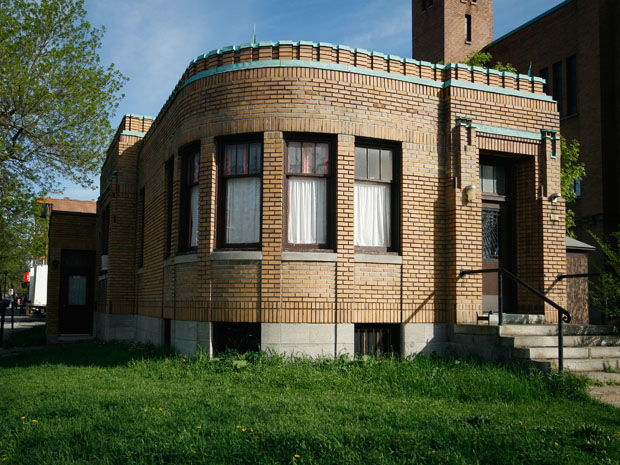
(56, 100)
(606, 291)
(572, 171)
(484, 59)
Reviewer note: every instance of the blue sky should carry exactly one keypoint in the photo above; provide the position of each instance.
(152, 41)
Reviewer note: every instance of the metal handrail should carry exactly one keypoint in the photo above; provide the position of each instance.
(562, 276)
(564, 316)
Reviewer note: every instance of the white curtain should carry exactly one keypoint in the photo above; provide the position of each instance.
(372, 214)
(307, 219)
(193, 219)
(243, 210)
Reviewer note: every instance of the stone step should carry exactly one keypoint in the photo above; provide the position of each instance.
(551, 330)
(604, 377)
(580, 365)
(552, 341)
(569, 352)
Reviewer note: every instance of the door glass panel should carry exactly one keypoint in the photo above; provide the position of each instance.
(490, 234)
(76, 294)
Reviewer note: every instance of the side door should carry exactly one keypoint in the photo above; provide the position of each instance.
(76, 291)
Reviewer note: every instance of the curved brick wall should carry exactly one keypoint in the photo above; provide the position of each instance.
(275, 89)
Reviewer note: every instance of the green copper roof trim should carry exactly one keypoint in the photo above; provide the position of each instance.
(378, 54)
(508, 132)
(496, 90)
(530, 22)
(310, 64)
(552, 131)
(133, 133)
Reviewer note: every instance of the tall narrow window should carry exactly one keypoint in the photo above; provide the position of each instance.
(468, 28)
(240, 195)
(557, 86)
(169, 170)
(374, 197)
(307, 173)
(105, 230)
(189, 206)
(571, 85)
(544, 73)
(141, 201)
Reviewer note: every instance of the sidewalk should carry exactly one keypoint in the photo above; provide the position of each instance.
(21, 322)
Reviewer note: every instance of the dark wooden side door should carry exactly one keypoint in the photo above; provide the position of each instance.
(76, 291)
(498, 225)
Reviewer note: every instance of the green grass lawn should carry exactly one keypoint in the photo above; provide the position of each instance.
(122, 404)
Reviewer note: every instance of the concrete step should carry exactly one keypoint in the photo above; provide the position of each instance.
(603, 377)
(552, 330)
(517, 319)
(552, 341)
(580, 365)
(569, 352)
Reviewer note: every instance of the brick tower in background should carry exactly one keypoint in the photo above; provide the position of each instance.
(448, 30)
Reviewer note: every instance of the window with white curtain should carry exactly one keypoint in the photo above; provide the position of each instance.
(190, 190)
(373, 197)
(307, 173)
(240, 184)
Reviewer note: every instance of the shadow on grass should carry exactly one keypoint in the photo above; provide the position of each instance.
(26, 337)
(90, 354)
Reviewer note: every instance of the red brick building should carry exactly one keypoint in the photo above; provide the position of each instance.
(574, 47)
(317, 199)
(71, 268)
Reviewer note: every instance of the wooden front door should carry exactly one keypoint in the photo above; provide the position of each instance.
(76, 291)
(497, 235)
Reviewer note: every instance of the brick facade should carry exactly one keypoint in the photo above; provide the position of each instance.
(441, 119)
(72, 227)
(439, 28)
(589, 31)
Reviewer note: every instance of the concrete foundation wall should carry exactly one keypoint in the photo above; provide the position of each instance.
(149, 330)
(189, 336)
(114, 327)
(425, 338)
(313, 340)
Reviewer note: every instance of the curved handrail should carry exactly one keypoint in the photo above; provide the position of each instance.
(564, 316)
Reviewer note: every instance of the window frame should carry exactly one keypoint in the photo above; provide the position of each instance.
(571, 86)
(222, 192)
(169, 180)
(468, 28)
(142, 225)
(558, 86)
(330, 207)
(186, 154)
(395, 194)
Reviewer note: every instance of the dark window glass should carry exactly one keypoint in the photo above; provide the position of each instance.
(169, 171)
(493, 179)
(557, 87)
(490, 234)
(142, 223)
(105, 230)
(189, 205)
(468, 28)
(377, 340)
(571, 85)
